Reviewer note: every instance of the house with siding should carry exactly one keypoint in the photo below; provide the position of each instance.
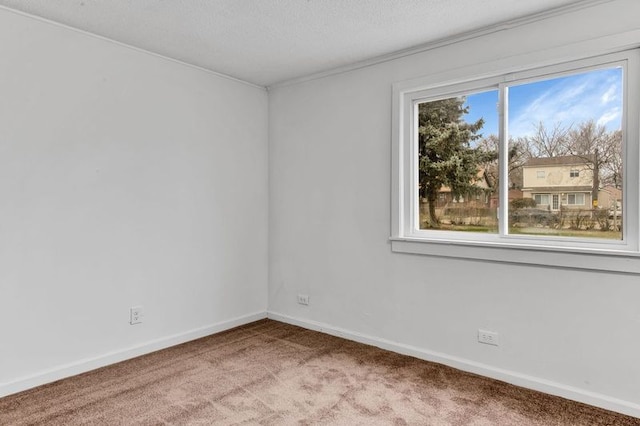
(556, 182)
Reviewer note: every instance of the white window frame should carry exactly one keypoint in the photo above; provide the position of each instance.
(582, 253)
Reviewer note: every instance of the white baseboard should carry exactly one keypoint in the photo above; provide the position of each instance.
(88, 364)
(518, 379)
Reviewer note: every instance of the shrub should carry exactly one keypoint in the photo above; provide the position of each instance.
(579, 220)
(521, 203)
(533, 217)
(605, 223)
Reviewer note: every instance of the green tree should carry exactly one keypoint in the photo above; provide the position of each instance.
(445, 154)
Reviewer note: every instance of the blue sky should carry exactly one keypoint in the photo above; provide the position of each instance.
(567, 101)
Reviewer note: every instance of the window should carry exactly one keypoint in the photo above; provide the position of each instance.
(575, 199)
(560, 136)
(541, 199)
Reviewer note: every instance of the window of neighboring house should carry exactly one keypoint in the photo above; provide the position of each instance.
(541, 199)
(452, 138)
(576, 199)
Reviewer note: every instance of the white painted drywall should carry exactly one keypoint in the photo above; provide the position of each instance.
(125, 179)
(330, 143)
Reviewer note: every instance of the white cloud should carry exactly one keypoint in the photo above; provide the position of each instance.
(566, 101)
(610, 95)
(609, 116)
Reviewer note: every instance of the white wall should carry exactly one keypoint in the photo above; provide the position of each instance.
(125, 179)
(569, 332)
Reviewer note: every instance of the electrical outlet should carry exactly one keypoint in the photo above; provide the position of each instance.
(488, 337)
(303, 299)
(135, 315)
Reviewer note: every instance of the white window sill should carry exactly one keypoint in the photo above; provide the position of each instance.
(594, 260)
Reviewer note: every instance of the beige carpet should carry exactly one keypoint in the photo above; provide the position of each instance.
(272, 373)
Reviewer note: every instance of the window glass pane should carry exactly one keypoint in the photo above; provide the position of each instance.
(457, 163)
(565, 140)
(575, 199)
(541, 199)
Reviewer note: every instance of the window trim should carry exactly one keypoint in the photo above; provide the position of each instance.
(565, 252)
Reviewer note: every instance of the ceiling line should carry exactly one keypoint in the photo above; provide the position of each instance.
(469, 35)
(128, 46)
(557, 11)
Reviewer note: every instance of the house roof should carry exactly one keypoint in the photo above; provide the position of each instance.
(567, 160)
(615, 192)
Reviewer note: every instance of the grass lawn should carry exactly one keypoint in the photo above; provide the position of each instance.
(609, 235)
(594, 233)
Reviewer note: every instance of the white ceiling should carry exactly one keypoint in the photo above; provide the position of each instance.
(269, 41)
